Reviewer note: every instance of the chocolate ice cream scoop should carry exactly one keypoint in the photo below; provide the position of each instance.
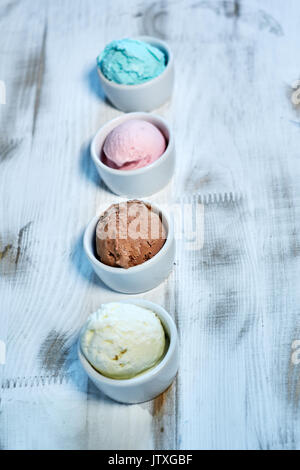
(129, 234)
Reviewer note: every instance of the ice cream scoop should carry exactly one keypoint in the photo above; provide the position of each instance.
(122, 340)
(133, 144)
(128, 234)
(131, 62)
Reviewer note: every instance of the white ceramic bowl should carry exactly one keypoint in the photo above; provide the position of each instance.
(149, 384)
(139, 278)
(148, 95)
(143, 181)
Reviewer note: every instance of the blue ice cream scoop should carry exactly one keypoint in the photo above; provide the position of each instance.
(131, 62)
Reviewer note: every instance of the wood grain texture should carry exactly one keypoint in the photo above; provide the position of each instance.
(235, 301)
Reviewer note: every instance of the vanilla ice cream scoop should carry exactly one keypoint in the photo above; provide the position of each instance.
(122, 340)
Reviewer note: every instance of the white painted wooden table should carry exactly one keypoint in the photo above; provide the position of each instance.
(236, 301)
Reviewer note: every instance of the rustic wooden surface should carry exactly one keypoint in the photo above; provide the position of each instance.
(236, 301)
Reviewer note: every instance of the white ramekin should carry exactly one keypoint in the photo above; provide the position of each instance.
(143, 181)
(149, 384)
(139, 278)
(148, 95)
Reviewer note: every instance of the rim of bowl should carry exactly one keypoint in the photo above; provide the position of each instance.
(119, 120)
(150, 40)
(162, 313)
(91, 227)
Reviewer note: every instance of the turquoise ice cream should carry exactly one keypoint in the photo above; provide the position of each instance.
(131, 62)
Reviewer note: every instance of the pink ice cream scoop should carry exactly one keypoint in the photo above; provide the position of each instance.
(133, 144)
